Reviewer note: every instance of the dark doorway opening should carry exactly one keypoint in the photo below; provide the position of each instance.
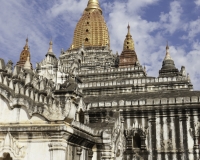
(81, 116)
(136, 141)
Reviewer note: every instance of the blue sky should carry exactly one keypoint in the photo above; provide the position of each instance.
(153, 23)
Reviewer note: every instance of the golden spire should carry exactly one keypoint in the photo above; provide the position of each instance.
(128, 42)
(91, 30)
(25, 55)
(128, 56)
(92, 5)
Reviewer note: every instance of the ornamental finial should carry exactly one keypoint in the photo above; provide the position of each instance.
(26, 45)
(50, 46)
(129, 29)
(92, 5)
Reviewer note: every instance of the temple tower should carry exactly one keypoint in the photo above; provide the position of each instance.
(25, 57)
(128, 56)
(168, 67)
(91, 30)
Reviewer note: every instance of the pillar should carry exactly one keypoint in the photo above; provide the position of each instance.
(90, 154)
(57, 150)
(152, 130)
(106, 153)
(196, 134)
(183, 135)
(78, 153)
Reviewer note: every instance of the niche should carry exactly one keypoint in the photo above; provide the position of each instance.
(136, 141)
(81, 116)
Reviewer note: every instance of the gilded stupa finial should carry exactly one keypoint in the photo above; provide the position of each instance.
(92, 5)
(91, 30)
(128, 42)
(26, 45)
(129, 32)
(25, 56)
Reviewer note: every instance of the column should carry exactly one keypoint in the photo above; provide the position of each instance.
(143, 145)
(106, 153)
(196, 134)
(90, 154)
(57, 150)
(159, 135)
(152, 133)
(78, 153)
(183, 135)
(129, 145)
(173, 128)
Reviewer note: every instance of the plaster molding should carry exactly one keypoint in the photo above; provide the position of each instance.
(13, 147)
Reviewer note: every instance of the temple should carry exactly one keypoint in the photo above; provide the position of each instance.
(92, 104)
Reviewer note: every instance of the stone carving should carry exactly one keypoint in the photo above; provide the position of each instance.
(37, 94)
(195, 132)
(9, 67)
(78, 150)
(90, 153)
(197, 128)
(137, 156)
(57, 146)
(167, 145)
(13, 147)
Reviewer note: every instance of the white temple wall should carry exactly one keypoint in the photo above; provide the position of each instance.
(17, 115)
(37, 150)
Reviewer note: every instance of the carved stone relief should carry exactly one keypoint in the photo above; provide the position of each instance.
(13, 147)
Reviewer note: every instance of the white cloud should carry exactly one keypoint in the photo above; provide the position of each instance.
(138, 6)
(192, 29)
(197, 2)
(61, 8)
(172, 20)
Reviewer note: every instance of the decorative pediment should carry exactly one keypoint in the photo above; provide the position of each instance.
(13, 147)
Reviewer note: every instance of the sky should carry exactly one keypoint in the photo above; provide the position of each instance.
(152, 22)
